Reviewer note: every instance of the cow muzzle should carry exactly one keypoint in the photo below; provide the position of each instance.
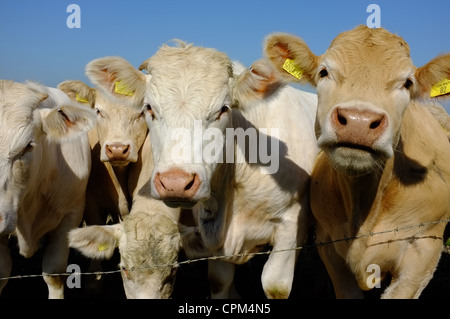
(118, 153)
(358, 128)
(177, 188)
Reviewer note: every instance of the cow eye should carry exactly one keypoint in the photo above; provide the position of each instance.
(323, 73)
(98, 112)
(408, 84)
(125, 271)
(27, 149)
(224, 109)
(148, 108)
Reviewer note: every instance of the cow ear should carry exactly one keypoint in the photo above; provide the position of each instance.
(291, 57)
(433, 79)
(96, 242)
(256, 83)
(79, 92)
(67, 121)
(117, 77)
(144, 66)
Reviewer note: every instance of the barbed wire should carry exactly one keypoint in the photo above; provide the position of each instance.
(267, 252)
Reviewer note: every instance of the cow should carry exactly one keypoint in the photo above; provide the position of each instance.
(201, 108)
(144, 230)
(45, 165)
(384, 163)
(148, 241)
(115, 143)
(441, 115)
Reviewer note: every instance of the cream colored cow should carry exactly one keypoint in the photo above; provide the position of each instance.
(44, 169)
(200, 109)
(116, 143)
(385, 160)
(145, 230)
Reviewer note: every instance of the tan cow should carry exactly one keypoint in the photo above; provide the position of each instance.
(115, 149)
(200, 109)
(118, 186)
(45, 165)
(385, 160)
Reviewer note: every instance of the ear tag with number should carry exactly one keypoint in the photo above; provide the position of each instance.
(121, 88)
(290, 67)
(440, 88)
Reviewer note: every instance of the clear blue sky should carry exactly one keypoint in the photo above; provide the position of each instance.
(36, 44)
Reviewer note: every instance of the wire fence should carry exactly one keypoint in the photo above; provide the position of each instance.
(267, 252)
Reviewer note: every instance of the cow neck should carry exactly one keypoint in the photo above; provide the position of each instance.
(360, 195)
(119, 177)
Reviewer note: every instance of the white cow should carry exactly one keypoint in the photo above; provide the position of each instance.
(115, 143)
(44, 169)
(244, 195)
(148, 235)
(148, 241)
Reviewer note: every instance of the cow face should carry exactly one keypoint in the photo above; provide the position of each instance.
(186, 102)
(187, 105)
(364, 82)
(26, 127)
(187, 95)
(148, 246)
(121, 129)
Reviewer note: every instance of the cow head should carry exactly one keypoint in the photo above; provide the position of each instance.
(29, 120)
(121, 129)
(187, 98)
(365, 81)
(148, 246)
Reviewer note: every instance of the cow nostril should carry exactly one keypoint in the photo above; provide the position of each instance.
(341, 119)
(375, 124)
(190, 184)
(126, 149)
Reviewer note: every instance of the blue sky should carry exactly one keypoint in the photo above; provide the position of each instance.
(36, 43)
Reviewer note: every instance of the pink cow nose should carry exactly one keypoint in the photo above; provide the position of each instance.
(176, 185)
(358, 127)
(117, 151)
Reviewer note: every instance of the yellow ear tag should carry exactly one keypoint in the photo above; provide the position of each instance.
(290, 67)
(120, 88)
(80, 99)
(440, 88)
(102, 247)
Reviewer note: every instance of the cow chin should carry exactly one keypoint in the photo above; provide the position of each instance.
(119, 163)
(177, 203)
(355, 161)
